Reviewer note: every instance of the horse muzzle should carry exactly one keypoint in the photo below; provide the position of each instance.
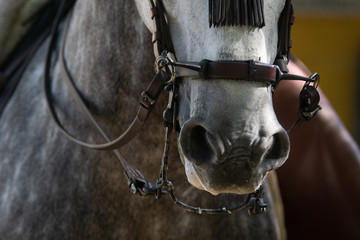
(224, 162)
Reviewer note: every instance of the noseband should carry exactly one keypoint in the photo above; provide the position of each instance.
(168, 71)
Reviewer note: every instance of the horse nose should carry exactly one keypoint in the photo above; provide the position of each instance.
(202, 147)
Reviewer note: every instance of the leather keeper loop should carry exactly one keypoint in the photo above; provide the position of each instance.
(282, 64)
(154, 12)
(252, 70)
(203, 74)
(146, 101)
(156, 36)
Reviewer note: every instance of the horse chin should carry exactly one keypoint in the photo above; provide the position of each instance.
(203, 181)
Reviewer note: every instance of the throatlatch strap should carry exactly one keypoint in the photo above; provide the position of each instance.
(285, 22)
(161, 37)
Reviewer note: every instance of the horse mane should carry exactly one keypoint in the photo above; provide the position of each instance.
(236, 12)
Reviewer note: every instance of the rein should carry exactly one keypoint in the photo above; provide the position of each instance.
(167, 72)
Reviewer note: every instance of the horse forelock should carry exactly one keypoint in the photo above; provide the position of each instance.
(236, 12)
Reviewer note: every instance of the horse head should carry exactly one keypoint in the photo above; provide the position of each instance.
(230, 137)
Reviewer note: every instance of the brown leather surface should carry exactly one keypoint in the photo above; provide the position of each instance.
(320, 182)
(240, 70)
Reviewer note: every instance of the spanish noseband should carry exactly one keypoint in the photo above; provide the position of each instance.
(167, 72)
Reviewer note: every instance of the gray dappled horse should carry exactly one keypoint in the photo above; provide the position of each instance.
(54, 189)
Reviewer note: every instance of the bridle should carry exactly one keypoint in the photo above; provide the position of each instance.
(167, 72)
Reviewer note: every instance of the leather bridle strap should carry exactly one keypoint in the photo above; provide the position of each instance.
(237, 70)
(146, 103)
(285, 23)
(161, 37)
(233, 70)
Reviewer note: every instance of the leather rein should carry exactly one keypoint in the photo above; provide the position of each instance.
(167, 72)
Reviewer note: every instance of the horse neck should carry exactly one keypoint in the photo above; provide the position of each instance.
(108, 54)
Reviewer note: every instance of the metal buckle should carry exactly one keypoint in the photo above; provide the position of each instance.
(316, 77)
(160, 62)
(309, 115)
(166, 60)
(146, 101)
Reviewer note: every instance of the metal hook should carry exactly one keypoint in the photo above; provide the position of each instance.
(164, 60)
(316, 77)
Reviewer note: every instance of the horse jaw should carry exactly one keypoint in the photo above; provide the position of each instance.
(246, 141)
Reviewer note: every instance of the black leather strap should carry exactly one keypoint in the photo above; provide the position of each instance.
(285, 22)
(161, 37)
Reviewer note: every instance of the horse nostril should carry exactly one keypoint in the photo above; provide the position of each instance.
(280, 148)
(197, 143)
